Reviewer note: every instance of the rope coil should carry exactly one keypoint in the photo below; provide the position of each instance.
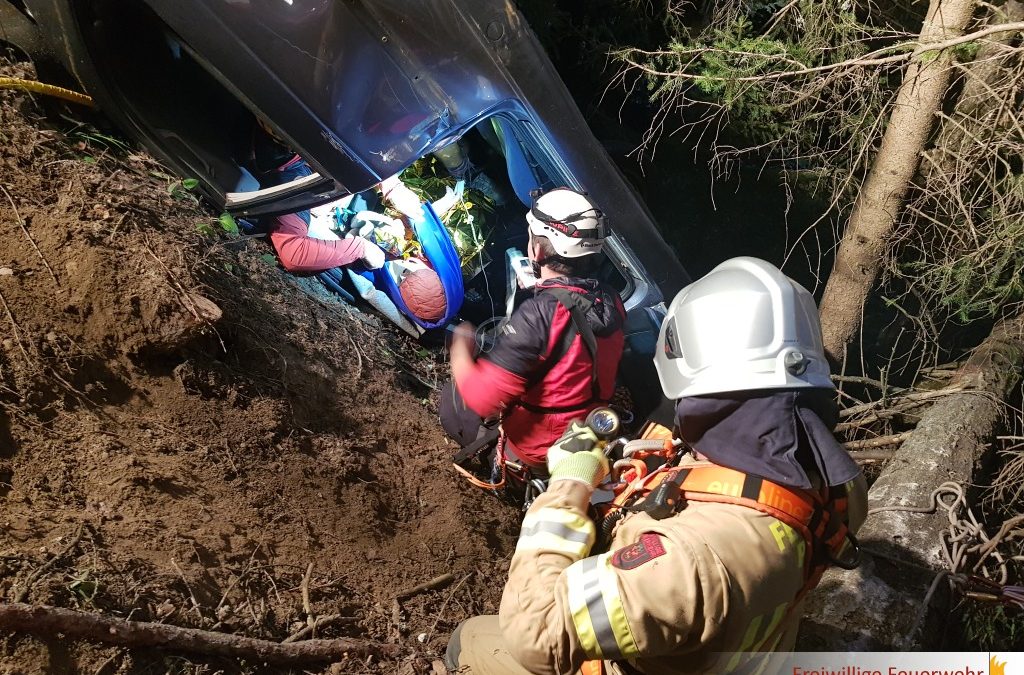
(965, 536)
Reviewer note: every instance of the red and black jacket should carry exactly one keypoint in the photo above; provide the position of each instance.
(541, 371)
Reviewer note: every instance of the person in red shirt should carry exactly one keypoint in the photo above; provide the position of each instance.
(557, 356)
(300, 253)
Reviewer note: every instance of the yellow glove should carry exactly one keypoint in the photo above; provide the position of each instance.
(576, 456)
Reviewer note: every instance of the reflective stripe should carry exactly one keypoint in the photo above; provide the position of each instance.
(770, 631)
(558, 530)
(748, 641)
(578, 607)
(597, 610)
(753, 643)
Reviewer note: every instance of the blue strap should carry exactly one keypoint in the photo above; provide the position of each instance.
(439, 250)
(332, 280)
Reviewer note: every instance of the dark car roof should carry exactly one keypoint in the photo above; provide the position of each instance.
(386, 81)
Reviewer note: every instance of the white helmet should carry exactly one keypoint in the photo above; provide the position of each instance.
(573, 225)
(744, 326)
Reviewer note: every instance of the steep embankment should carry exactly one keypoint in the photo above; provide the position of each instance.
(183, 429)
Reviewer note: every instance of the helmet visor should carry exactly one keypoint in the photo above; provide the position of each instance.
(671, 345)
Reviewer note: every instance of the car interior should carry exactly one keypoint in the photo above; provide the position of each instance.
(206, 128)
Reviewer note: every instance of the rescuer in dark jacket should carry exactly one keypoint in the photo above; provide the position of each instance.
(557, 356)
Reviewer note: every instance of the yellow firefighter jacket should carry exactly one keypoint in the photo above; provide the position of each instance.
(686, 594)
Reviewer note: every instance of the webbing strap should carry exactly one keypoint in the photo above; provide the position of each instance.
(577, 305)
(807, 512)
(797, 505)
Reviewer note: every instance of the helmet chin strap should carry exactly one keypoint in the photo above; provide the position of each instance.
(535, 261)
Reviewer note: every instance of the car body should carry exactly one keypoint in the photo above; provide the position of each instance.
(359, 88)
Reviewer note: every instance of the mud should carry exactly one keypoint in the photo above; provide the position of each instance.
(204, 462)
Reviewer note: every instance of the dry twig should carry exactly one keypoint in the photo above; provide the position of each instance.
(191, 595)
(22, 594)
(880, 442)
(436, 582)
(306, 606)
(14, 326)
(913, 397)
(321, 622)
(396, 603)
(21, 224)
(872, 455)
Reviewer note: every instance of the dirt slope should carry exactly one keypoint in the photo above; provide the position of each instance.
(206, 463)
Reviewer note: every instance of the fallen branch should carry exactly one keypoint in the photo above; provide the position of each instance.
(22, 594)
(51, 621)
(899, 400)
(872, 455)
(880, 442)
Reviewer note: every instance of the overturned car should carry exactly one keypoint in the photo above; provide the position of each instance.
(361, 91)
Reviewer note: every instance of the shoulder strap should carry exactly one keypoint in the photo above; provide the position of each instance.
(819, 517)
(577, 305)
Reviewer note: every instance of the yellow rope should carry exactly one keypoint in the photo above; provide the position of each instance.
(43, 88)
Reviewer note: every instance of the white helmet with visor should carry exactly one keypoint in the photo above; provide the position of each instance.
(569, 220)
(744, 326)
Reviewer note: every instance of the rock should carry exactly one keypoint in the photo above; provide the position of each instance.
(180, 326)
(165, 609)
(6, 272)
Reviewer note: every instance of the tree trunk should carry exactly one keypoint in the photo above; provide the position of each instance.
(878, 206)
(880, 605)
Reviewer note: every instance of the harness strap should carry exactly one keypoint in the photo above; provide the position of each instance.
(817, 518)
(483, 442)
(816, 515)
(577, 305)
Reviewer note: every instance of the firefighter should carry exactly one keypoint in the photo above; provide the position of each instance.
(557, 356)
(767, 500)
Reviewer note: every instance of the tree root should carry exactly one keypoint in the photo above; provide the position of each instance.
(49, 621)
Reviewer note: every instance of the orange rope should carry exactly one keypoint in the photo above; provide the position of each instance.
(499, 458)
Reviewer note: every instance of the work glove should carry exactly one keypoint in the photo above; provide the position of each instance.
(576, 456)
(372, 256)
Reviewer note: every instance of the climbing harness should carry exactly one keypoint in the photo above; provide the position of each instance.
(818, 516)
(475, 449)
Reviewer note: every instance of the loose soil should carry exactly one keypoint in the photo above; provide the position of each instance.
(205, 462)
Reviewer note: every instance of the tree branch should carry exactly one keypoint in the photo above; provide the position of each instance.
(50, 621)
(869, 59)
